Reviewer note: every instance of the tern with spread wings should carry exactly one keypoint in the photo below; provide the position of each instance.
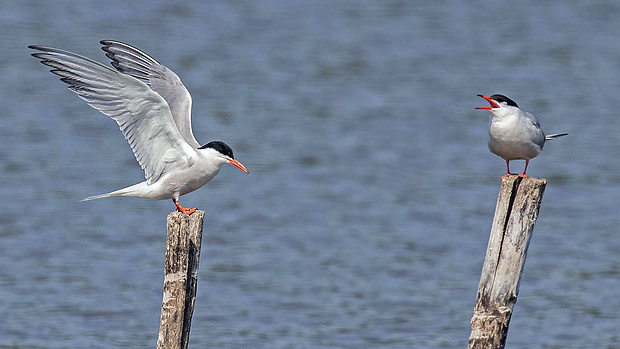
(153, 110)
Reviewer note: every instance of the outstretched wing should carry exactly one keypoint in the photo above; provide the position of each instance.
(142, 114)
(129, 60)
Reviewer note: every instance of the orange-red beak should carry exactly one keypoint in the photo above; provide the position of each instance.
(238, 165)
(492, 102)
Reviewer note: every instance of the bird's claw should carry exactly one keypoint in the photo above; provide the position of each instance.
(522, 175)
(187, 210)
(182, 209)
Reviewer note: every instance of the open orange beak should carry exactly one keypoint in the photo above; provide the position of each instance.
(238, 165)
(492, 102)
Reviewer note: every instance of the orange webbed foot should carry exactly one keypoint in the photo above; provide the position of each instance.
(185, 210)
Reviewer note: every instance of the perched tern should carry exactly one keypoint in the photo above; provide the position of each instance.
(152, 107)
(513, 133)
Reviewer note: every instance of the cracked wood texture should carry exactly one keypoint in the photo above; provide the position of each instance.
(515, 214)
(183, 239)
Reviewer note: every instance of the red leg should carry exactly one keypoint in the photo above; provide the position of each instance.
(527, 162)
(187, 211)
(507, 169)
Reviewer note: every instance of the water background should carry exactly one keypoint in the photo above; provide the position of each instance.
(365, 219)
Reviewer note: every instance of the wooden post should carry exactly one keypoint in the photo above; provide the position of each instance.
(183, 239)
(515, 214)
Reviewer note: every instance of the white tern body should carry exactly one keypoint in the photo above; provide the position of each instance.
(153, 110)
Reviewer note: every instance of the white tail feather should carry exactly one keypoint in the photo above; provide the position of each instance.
(556, 135)
(93, 197)
(138, 190)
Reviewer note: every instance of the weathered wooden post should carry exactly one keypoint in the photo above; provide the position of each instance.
(515, 214)
(183, 239)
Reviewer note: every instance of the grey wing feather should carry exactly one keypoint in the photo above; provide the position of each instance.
(130, 60)
(538, 136)
(533, 119)
(142, 114)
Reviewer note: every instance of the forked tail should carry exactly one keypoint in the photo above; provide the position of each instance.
(100, 196)
(556, 135)
(134, 190)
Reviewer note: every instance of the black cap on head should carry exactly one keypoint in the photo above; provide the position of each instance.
(221, 147)
(502, 98)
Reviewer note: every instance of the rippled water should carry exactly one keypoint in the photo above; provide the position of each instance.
(365, 220)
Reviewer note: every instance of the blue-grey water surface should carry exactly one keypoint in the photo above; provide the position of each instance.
(365, 219)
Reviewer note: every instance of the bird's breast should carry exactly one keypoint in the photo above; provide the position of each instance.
(185, 181)
(513, 140)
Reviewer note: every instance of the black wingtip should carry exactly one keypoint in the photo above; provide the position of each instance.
(106, 45)
(112, 42)
(39, 54)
